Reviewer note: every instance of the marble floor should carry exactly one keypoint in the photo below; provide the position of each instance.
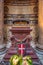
(38, 54)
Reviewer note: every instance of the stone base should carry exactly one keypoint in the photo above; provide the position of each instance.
(39, 46)
(39, 49)
(2, 48)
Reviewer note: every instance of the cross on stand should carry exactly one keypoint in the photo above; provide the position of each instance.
(21, 49)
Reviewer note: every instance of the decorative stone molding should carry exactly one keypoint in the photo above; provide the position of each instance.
(1, 20)
(40, 24)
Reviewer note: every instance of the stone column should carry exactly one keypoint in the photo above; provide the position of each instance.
(40, 24)
(1, 20)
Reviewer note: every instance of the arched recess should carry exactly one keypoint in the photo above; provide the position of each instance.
(31, 8)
